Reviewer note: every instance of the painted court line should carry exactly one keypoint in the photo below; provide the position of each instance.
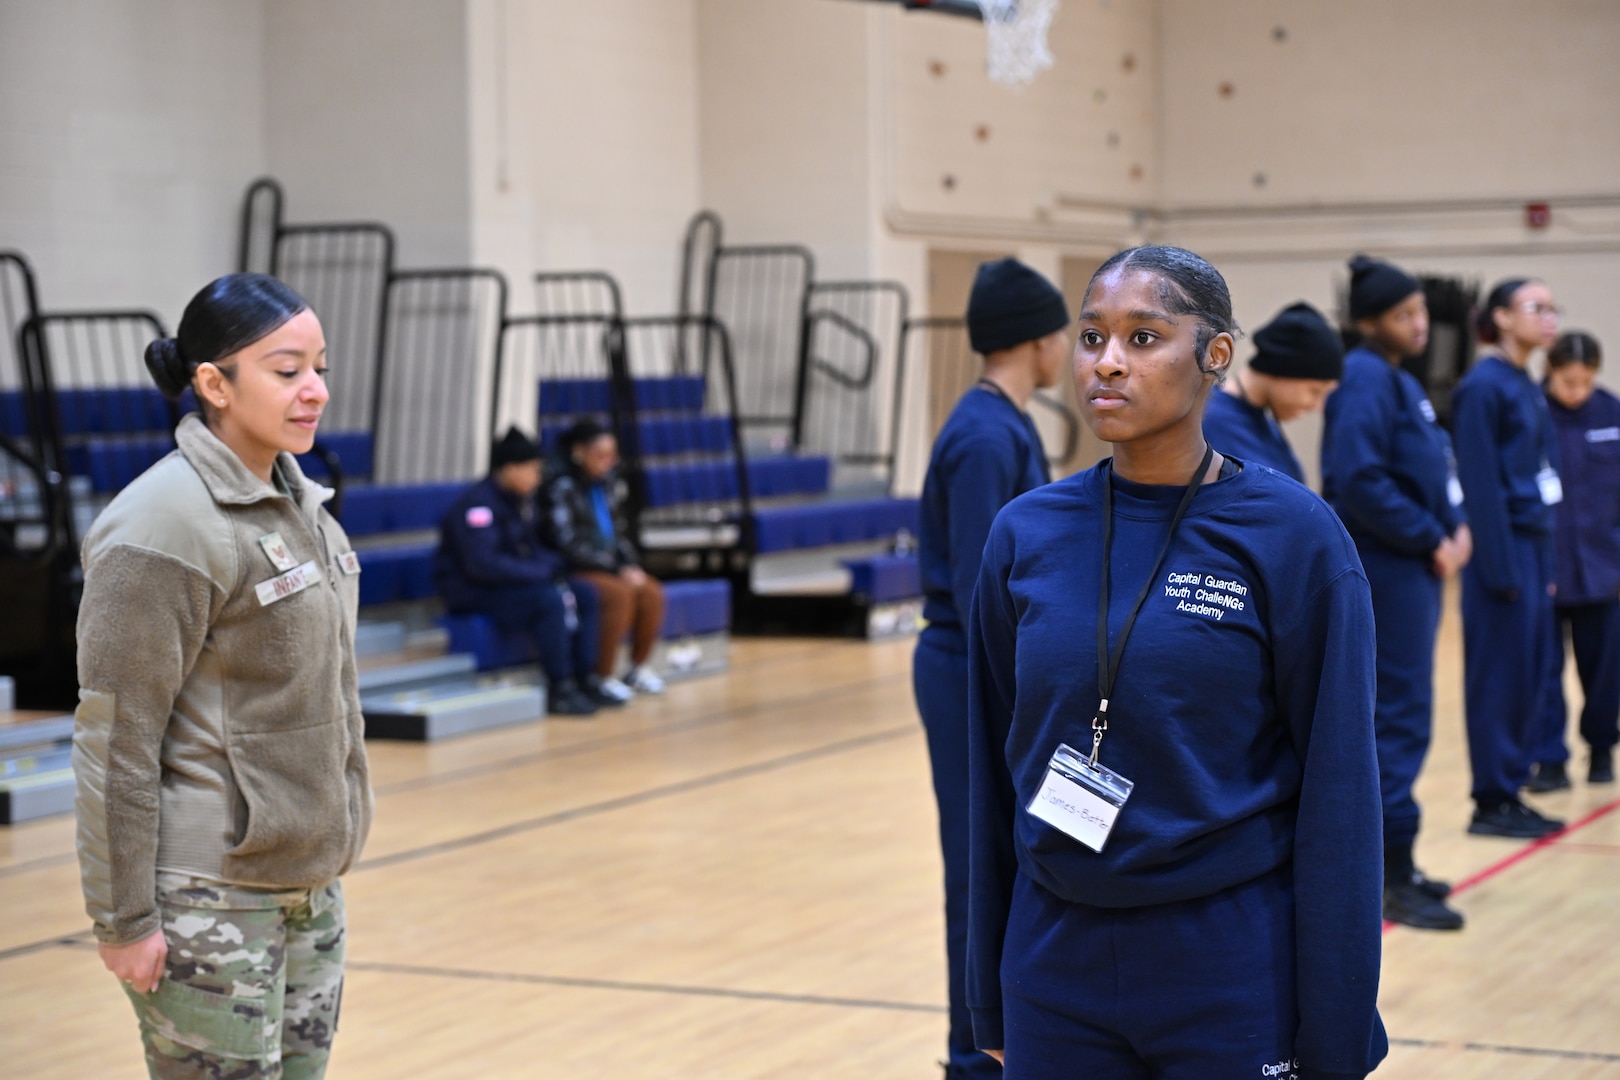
(1497, 1048)
(1525, 852)
(642, 987)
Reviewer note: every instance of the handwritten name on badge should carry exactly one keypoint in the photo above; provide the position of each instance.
(1206, 595)
(293, 581)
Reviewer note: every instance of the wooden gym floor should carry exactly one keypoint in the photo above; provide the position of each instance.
(740, 880)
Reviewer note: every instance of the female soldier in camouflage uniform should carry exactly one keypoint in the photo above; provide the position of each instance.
(222, 781)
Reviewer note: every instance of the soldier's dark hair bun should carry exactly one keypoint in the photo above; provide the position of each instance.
(227, 315)
(168, 368)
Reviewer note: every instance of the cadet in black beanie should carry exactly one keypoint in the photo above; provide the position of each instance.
(987, 454)
(1297, 365)
(513, 448)
(1387, 470)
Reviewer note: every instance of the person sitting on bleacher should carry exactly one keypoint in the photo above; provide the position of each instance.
(493, 561)
(583, 512)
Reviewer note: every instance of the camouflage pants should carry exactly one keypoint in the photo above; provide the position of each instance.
(252, 983)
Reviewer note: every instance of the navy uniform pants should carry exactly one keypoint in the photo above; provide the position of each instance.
(542, 611)
(1594, 634)
(1196, 990)
(940, 679)
(1406, 613)
(1505, 643)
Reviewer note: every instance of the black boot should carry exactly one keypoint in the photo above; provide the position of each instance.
(1601, 768)
(567, 699)
(1547, 778)
(1412, 899)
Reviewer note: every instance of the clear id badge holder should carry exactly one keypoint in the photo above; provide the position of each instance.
(1080, 799)
(1552, 488)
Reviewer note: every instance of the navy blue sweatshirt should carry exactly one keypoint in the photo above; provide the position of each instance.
(1387, 466)
(490, 539)
(1587, 536)
(1238, 429)
(1504, 441)
(1243, 711)
(987, 453)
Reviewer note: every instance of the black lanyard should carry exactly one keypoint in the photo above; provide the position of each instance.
(1108, 668)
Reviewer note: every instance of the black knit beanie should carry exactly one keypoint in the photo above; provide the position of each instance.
(513, 448)
(1299, 344)
(1012, 304)
(1377, 286)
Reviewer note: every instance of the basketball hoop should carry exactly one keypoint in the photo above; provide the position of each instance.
(1017, 31)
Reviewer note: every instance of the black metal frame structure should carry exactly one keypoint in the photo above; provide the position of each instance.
(952, 367)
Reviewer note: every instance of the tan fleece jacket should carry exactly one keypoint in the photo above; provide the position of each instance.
(216, 735)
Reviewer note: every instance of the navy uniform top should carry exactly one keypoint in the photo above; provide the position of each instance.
(1387, 466)
(490, 539)
(1242, 709)
(1587, 537)
(1236, 428)
(987, 453)
(1504, 442)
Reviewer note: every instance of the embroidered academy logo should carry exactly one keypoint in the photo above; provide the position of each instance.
(1206, 595)
(1282, 1070)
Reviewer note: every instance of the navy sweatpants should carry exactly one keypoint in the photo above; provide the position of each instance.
(1505, 643)
(1185, 991)
(1406, 613)
(541, 610)
(1594, 634)
(940, 679)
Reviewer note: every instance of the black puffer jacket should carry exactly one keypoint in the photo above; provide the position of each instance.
(570, 520)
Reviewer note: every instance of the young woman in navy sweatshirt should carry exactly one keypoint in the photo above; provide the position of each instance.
(987, 453)
(1176, 621)
(1507, 460)
(1389, 472)
(1586, 541)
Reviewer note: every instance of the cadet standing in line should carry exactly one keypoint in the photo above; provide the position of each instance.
(1388, 470)
(218, 747)
(1507, 459)
(987, 453)
(1297, 362)
(1586, 539)
(1174, 787)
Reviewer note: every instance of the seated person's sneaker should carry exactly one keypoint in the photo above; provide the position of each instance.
(565, 698)
(608, 692)
(643, 681)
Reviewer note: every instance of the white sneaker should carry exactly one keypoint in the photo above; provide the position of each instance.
(643, 681)
(617, 690)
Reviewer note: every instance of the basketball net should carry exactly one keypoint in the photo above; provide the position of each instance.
(1017, 31)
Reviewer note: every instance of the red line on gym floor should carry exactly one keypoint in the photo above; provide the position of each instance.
(1525, 852)
(1591, 849)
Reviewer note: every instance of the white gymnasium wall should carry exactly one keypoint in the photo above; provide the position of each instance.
(1424, 128)
(584, 135)
(127, 130)
(785, 125)
(366, 117)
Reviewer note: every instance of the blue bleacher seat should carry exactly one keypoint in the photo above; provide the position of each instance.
(693, 608)
(354, 450)
(397, 574)
(371, 509)
(809, 525)
(580, 397)
(882, 579)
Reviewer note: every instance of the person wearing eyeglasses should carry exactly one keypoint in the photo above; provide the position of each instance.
(1507, 460)
(1586, 543)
